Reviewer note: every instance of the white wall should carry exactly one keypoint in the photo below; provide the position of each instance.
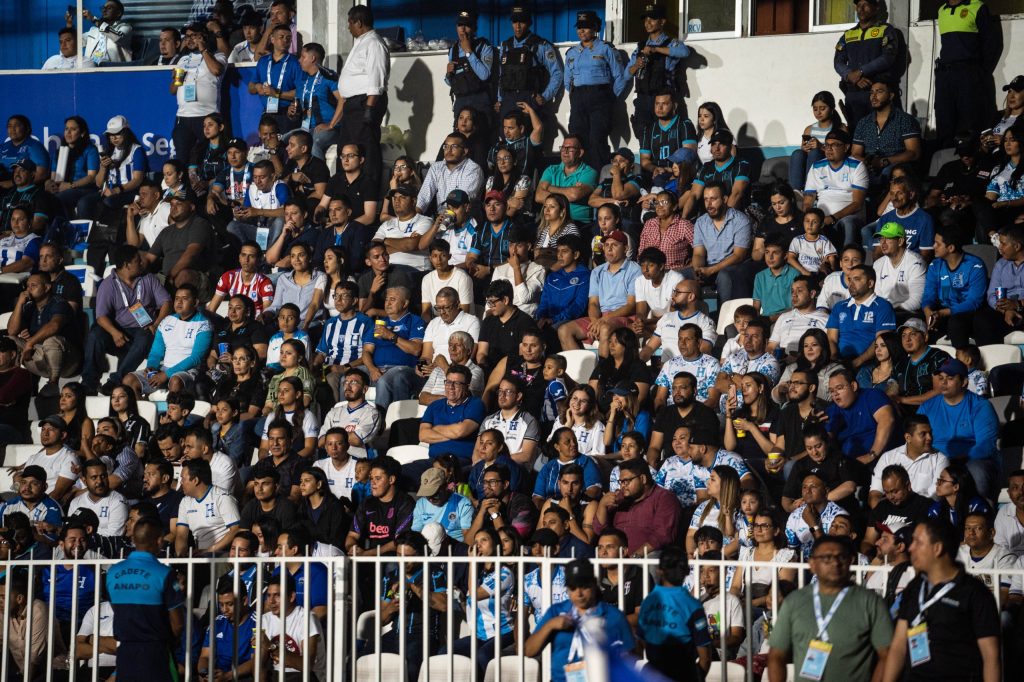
(764, 85)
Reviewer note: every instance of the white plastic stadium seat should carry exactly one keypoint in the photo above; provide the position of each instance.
(403, 409)
(728, 311)
(390, 668)
(147, 411)
(4, 319)
(6, 484)
(579, 364)
(36, 432)
(734, 672)
(97, 406)
(461, 669)
(510, 670)
(405, 454)
(19, 454)
(202, 408)
(1014, 338)
(999, 354)
(999, 404)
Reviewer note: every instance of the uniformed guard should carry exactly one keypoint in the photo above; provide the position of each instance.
(148, 609)
(470, 67)
(968, 52)
(594, 79)
(655, 64)
(871, 51)
(529, 70)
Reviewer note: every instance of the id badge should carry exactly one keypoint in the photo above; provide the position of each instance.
(190, 92)
(813, 667)
(262, 235)
(272, 105)
(917, 641)
(140, 314)
(575, 672)
(307, 123)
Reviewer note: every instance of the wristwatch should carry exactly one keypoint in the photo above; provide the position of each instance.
(494, 515)
(816, 529)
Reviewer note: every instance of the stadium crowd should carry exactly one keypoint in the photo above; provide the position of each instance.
(644, 353)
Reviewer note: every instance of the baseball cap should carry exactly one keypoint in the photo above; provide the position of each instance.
(34, 471)
(457, 197)
(116, 125)
(654, 11)
(520, 13)
(587, 19)
(177, 196)
(722, 136)
(466, 18)
(579, 572)
(617, 235)
(56, 422)
(1017, 84)
(916, 324)
(952, 367)
(840, 135)
(891, 231)
(544, 536)
(905, 535)
(434, 534)
(407, 191)
(26, 164)
(625, 388)
(703, 436)
(237, 143)
(684, 155)
(968, 147)
(626, 153)
(431, 481)
(85, 517)
(495, 195)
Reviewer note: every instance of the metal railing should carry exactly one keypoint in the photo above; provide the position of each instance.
(350, 623)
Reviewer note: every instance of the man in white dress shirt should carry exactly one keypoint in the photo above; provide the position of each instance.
(923, 464)
(67, 58)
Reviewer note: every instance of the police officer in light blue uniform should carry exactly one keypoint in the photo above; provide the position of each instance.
(470, 67)
(653, 65)
(528, 67)
(148, 609)
(594, 77)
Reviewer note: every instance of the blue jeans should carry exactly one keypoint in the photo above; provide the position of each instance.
(323, 140)
(800, 163)
(850, 229)
(247, 231)
(986, 477)
(74, 201)
(99, 343)
(399, 382)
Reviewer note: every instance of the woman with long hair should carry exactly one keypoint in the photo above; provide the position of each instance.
(620, 362)
(291, 409)
(73, 177)
(784, 222)
(957, 496)
(769, 546)
(625, 415)
(244, 383)
(878, 373)
(583, 418)
(239, 328)
(554, 223)
(124, 406)
(814, 354)
(335, 271)
(123, 167)
(721, 510)
(709, 119)
(402, 173)
(172, 177)
(490, 451)
(208, 159)
(80, 428)
(634, 446)
(527, 365)
(1012, 111)
(1006, 189)
(303, 286)
(753, 419)
(294, 365)
(516, 187)
(323, 513)
(228, 433)
(826, 118)
(472, 124)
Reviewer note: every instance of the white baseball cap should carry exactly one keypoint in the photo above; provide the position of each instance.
(116, 125)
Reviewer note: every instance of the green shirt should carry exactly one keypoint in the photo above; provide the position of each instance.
(773, 291)
(860, 626)
(584, 174)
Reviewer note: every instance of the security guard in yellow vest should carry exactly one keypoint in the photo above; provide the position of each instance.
(968, 52)
(871, 51)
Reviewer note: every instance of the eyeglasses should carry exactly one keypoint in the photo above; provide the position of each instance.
(453, 384)
(350, 156)
(453, 145)
(567, 148)
(831, 558)
(491, 482)
(507, 391)
(492, 301)
(940, 479)
(762, 526)
(662, 202)
(799, 383)
(352, 382)
(627, 481)
(677, 292)
(401, 166)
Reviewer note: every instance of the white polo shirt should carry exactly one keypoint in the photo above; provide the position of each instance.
(792, 324)
(438, 331)
(1009, 529)
(209, 518)
(112, 511)
(923, 471)
(669, 325)
(518, 429)
(61, 464)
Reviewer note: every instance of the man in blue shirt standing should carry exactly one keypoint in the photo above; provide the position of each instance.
(148, 609)
(964, 426)
(570, 626)
(316, 95)
(594, 78)
(854, 323)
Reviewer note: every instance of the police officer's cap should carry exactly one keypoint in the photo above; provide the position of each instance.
(579, 573)
(1017, 85)
(467, 17)
(520, 13)
(839, 135)
(587, 19)
(653, 11)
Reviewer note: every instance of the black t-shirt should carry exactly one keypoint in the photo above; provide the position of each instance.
(915, 378)
(533, 397)
(734, 168)
(503, 337)
(667, 420)
(953, 179)
(746, 446)
(913, 510)
(361, 190)
(249, 392)
(315, 169)
(790, 425)
(209, 161)
(632, 589)
(956, 622)
(68, 287)
(166, 506)
(607, 375)
(16, 391)
(769, 229)
(834, 470)
(41, 201)
(393, 277)
(248, 334)
(283, 511)
(378, 523)
(137, 430)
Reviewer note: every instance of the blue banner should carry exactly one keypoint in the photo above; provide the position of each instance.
(142, 95)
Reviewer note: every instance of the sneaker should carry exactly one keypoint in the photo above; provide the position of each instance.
(90, 390)
(50, 390)
(108, 386)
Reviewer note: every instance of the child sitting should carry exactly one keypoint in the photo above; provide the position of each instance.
(556, 395)
(288, 326)
(977, 377)
(743, 316)
(812, 253)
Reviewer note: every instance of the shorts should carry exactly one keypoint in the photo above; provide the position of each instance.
(187, 378)
(584, 324)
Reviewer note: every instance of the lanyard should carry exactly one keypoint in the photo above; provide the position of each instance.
(121, 287)
(310, 90)
(923, 605)
(280, 74)
(823, 622)
(244, 182)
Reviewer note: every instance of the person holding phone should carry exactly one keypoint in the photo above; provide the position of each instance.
(110, 37)
(196, 85)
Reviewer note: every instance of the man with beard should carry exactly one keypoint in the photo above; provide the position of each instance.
(184, 247)
(854, 323)
(198, 89)
(570, 499)
(683, 410)
(501, 506)
(685, 309)
(74, 542)
(900, 507)
(838, 185)
(360, 421)
(791, 325)
(109, 506)
(648, 514)
(663, 135)
(157, 476)
(691, 360)
(887, 137)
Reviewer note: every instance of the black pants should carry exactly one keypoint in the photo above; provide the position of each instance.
(188, 130)
(358, 127)
(858, 105)
(590, 117)
(990, 326)
(643, 115)
(960, 100)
